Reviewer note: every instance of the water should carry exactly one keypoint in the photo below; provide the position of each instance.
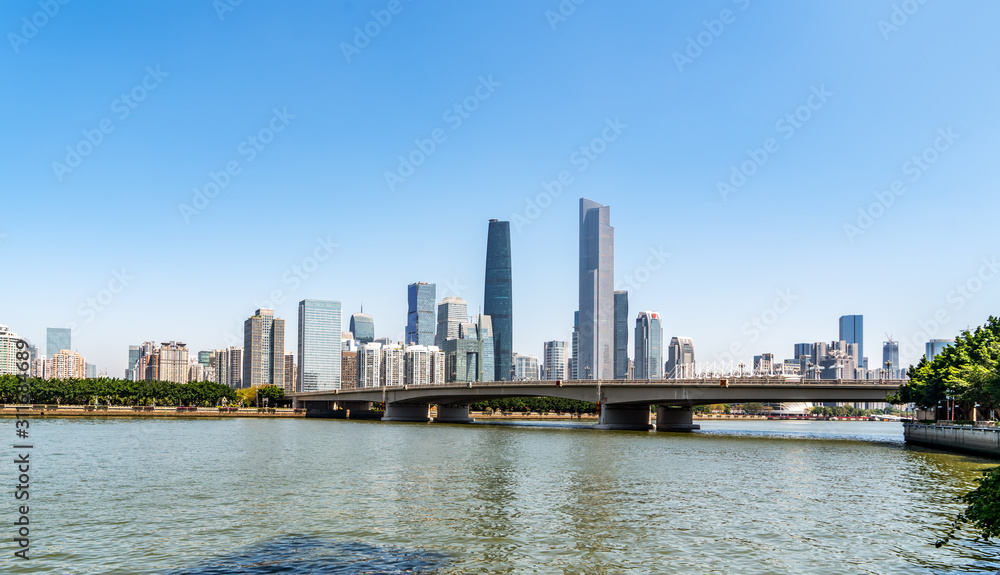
(185, 497)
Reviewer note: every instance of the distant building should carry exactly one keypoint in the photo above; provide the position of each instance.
(621, 334)
(452, 312)
(203, 357)
(319, 346)
(470, 358)
(420, 314)
(348, 369)
(596, 286)
(264, 349)
(363, 328)
(196, 372)
(525, 367)
(836, 360)
(574, 361)
(936, 346)
(291, 373)
(67, 364)
(763, 363)
(369, 365)
(423, 365)
(803, 349)
(227, 366)
(91, 371)
(498, 299)
(648, 346)
(8, 352)
(852, 331)
(393, 366)
(680, 358)
(556, 360)
(173, 362)
(890, 359)
(56, 340)
(131, 366)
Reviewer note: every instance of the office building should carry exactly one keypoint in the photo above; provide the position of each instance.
(680, 358)
(452, 312)
(420, 314)
(621, 334)
(91, 371)
(935, 346)
(890, 359)
(802, 349)
(852, 331)
(363, 328)
(498, 297)
(133, 358)
(173, 362)
(596, 287)
(648, 346)
(264, 349)
(556, 360)
(470, 358)
(56, 340)
(203, 357)
(525, 367)
(319, 345)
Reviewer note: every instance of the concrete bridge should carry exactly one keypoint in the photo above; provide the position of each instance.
(623, 404)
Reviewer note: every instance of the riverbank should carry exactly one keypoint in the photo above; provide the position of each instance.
(979, 440)
(143, 411)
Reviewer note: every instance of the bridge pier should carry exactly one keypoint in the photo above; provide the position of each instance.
(453, 414)
(628, 417)
(417, 412)
(670, 418)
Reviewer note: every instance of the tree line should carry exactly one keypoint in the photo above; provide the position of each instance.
(113, 391)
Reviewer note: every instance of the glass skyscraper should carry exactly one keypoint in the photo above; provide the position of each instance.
(648, 346)
(420, 314)
(597, 280)
(56, 340)
(680, 358)
(621, 334)
(852, 331)
(497, 299)
(890, 358)
(319, 345)
(363, 328)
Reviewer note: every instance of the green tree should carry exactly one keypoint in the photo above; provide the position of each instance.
(983, 511)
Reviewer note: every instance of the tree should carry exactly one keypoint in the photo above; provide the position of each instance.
(983, 511)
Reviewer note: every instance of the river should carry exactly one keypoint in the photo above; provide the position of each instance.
(261, 496)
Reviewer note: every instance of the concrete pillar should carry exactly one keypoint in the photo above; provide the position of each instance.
(670, 418)
(453, 414)
(419, 412)
(295, 402)
(631, 417)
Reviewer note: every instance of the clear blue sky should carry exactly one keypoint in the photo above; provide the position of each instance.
(880, 94)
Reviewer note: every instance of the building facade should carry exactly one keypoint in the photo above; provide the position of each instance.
(525, 367)
(264, 349)
(648, 346)
(555, 360)
(452, 312)
(621, 334)
(423, 365)
(890, 359)
(173, 362)
(420, 314)
(852, 331)
(497, 299)
(680, 358)
(8, 352)
(935, 346)
(470, 358)
(319, 345)
(57, 339)
(363, 328)
(596, 287)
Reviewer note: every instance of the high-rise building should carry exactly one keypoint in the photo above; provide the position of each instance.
(597, 279)
(319, 345)
(57, 339)
(763, 363)
(680, 358)
(621, 334)
(420, 314)
(173, 362)
(525, 367)
(67, 365)
(935, 346)
(195, 372)
(227, 366)
(393, 366)
(370, 365)
(852, 331)
(423, 365)
(133, 357)
(574, 360)
(890, 359)
(470, 358)
(556, 360)
(264, 349)
(290, 373)
(8, 352)
(348, 369)
(803, 349)
(498, 297)
(91, 371)
(648, 346)
(203, 357)
(363, 328)
(452, 312)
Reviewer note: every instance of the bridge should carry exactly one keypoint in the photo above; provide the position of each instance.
(622, 404)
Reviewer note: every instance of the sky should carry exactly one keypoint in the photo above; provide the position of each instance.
(167, 168)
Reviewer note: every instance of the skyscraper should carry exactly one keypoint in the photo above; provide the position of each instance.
(497, 298)
(621, 334)
(134, 351)
(556, 360)
(525, 367)
(680, 358)
(420, 314)
(597, 279)
(890, 358)
(852, 331)
(470, 357)
(363, 328)
(56, 340)
(935, 346)
(319, 345)
(452, 312)
(264, 349)
(648, 346)
(803, 349)
(173, 362)
(574, 360)
(8, 352)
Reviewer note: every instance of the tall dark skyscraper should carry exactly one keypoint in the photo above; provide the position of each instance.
(597, 281)
(363, 328)
(497, 299)
(420, 313)
(852, 331)
(621, 334)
